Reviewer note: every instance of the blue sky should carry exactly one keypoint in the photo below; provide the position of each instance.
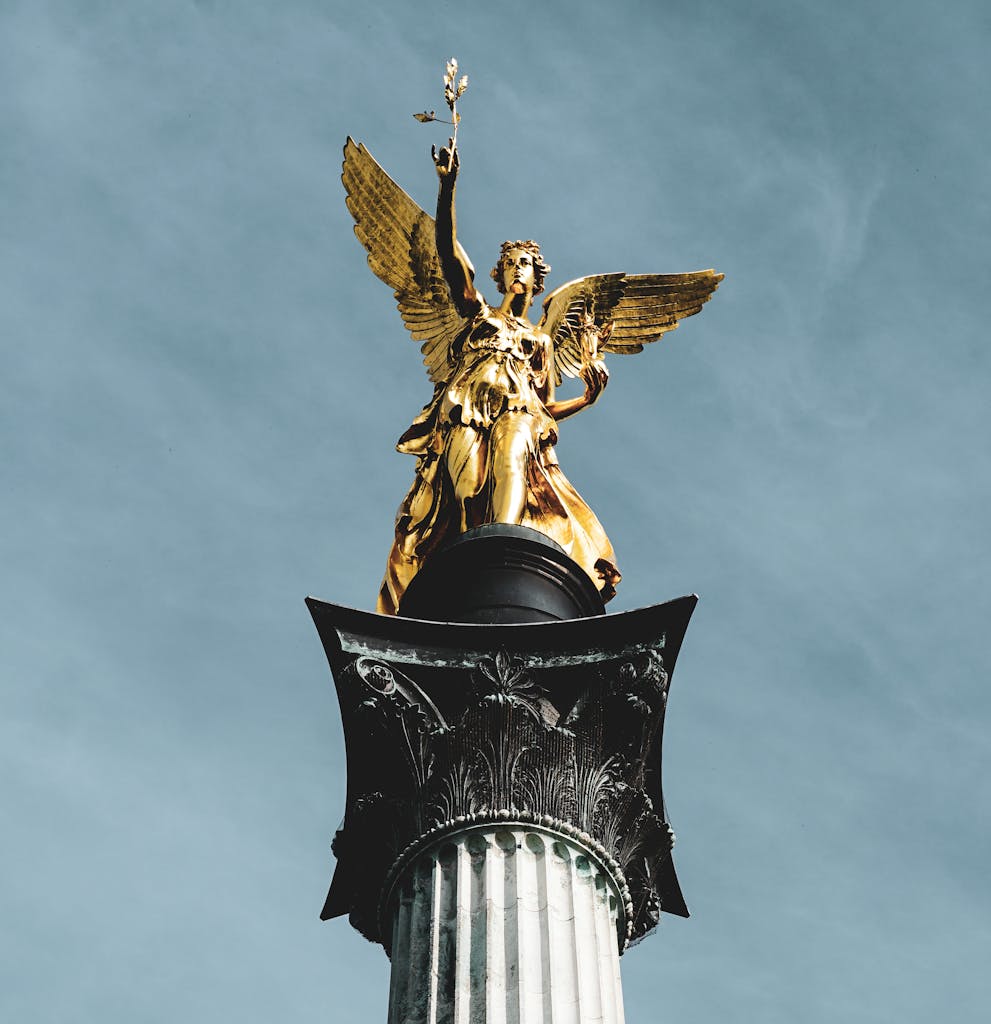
(203, 384)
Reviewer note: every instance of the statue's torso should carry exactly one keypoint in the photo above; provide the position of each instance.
(501, 362)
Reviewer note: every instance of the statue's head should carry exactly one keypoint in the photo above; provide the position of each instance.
(523, 258)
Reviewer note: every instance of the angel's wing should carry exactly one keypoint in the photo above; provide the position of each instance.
(641, 308)
(402, 252)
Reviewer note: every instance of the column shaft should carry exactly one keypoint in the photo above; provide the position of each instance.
(507, 925)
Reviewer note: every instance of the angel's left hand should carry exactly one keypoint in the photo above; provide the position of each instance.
(596, 376)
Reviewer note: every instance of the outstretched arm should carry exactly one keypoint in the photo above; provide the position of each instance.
(466, 299)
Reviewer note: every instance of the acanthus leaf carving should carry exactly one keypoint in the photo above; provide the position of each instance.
(503, 678)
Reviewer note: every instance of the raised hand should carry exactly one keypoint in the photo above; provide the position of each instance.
(447, 161)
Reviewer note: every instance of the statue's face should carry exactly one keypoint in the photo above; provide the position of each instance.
(517, 272)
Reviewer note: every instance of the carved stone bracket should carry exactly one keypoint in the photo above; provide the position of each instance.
(449, 726)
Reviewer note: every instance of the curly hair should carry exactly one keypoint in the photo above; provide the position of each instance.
(540, 268)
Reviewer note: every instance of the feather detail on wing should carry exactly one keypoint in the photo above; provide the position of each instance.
(640, 307)
(402, 252)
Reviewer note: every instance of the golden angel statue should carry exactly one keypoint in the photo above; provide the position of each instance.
(484, 443)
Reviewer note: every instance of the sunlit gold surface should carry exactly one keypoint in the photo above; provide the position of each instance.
(485, 442)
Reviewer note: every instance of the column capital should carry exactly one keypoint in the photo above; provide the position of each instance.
(556, 726)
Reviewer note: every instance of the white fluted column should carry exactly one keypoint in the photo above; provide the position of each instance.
(509, 924)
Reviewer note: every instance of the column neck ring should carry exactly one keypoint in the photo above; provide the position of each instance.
(487, 821)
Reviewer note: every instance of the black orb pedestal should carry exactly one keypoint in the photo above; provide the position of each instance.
(501, 574)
